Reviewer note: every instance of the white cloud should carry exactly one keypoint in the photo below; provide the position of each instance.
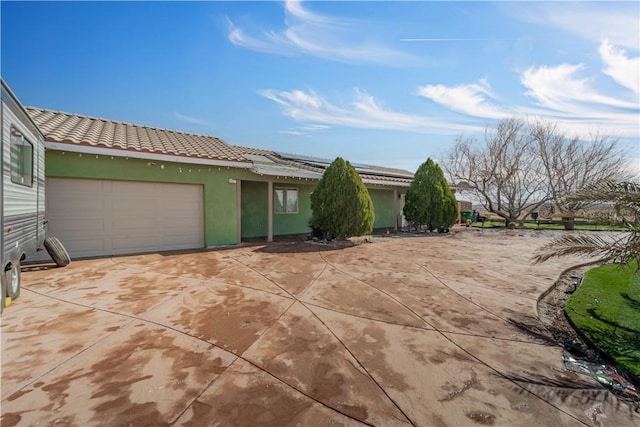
(618, 22)
(471, 99)
(304, 130)
(364, 112)
(330, 38)
(564, 93)
(190, 119)
(559, 88)
(624, 70)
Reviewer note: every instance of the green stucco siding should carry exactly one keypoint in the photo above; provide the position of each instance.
(294, 223)
(383, 205)
(254, 207)
(219, 195)
(220, 192)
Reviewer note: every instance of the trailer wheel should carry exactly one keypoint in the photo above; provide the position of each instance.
(12, 280)
(57, 252)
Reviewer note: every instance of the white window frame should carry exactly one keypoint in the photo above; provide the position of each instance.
(285, 191)
(22, 168)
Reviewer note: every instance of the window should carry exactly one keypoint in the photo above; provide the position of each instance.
(286, 200)
(21, 159)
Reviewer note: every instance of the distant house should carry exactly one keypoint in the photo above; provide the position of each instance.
(120, 188)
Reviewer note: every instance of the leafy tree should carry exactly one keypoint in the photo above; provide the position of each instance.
(341, 204)
(429, 200)
(621, 248)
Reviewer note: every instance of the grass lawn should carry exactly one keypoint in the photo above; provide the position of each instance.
(606, 307)
(532, 226)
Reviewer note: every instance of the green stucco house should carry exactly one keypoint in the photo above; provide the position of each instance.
(119, 188)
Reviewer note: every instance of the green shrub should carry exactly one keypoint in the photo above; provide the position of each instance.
(429, 200)
(341, 204)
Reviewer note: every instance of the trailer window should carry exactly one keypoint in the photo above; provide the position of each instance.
(21, 159)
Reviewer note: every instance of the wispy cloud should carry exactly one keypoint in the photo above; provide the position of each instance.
(190, 119)
(473, 99)
(305, 130)
(363, 112)
(591, 21)
(564, 93)
(330, 38)
(561, 93)
(624, 70)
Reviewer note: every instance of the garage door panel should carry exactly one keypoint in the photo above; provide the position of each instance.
(102, 217)
(140, 225)
(133, 205)
(89, 247)
(136, 243)
(82, 205)
(78, 227)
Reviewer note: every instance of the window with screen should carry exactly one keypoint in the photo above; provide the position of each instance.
(21, 159)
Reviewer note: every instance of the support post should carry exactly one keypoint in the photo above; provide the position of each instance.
(270, 214)
(395, 210)
(239, 211)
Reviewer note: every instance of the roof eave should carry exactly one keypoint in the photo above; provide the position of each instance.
(88, 149)
(385, 182)
(285, 173)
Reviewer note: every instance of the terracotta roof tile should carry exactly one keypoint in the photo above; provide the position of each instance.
(82, 130)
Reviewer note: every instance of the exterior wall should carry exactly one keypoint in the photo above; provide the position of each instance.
(383, 206)
(254, 209)
(294, 223)
(219, 195)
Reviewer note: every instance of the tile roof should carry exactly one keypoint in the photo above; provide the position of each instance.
(75, 129)
(90, 131)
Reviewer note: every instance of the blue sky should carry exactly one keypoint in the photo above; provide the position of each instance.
(388, 83)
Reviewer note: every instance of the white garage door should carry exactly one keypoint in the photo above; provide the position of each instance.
(100, 217)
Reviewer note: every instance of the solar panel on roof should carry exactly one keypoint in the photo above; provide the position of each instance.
(360, 167)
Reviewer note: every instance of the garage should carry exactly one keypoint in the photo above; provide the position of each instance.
(95, 217)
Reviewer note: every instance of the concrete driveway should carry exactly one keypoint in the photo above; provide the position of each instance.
(429, 331)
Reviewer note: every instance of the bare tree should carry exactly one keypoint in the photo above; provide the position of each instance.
(571, 164)
(522, 166)
(504, 174)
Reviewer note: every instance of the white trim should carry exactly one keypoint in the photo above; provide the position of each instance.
(389, 183)
(73, 148)
(257, 169)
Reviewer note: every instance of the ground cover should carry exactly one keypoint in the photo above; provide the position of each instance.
(552, 226)
(606, 307)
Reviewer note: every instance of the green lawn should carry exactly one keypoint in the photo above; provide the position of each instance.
(532, 226)
(606, 307)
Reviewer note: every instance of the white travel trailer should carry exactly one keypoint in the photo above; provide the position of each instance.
(22, 204)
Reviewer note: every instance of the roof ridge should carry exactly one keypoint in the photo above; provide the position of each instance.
(137, 125)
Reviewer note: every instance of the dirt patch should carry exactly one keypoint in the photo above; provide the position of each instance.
(551, 314)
